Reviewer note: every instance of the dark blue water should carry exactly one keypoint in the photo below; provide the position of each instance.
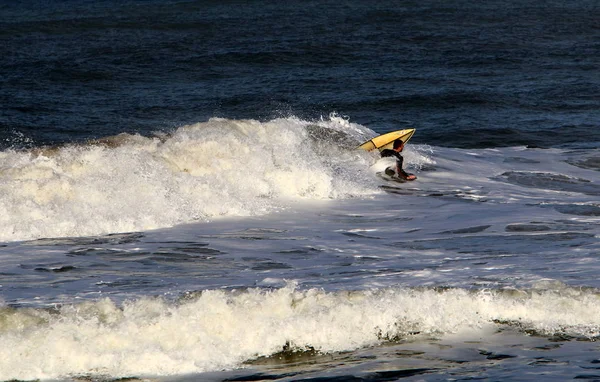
(465, 74)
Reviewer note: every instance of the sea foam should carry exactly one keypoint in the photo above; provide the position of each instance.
(217, 329)
(199, 172)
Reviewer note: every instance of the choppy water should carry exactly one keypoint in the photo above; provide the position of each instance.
(181, 197)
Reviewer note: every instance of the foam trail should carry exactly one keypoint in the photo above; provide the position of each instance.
(202, 171)
(218, 330)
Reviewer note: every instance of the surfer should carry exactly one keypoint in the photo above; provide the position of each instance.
(395, 152)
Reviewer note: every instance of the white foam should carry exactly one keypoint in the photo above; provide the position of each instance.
(219, 330)
(200, 172)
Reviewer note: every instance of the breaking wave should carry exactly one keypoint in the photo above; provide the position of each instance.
(199, 172)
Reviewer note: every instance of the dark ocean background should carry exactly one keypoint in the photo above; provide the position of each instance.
(465, 74)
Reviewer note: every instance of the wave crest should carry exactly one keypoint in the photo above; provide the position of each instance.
(216, 168)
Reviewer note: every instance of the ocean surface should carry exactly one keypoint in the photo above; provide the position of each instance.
(182, 197)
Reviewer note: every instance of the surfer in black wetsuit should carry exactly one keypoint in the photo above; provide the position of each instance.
(395, 152)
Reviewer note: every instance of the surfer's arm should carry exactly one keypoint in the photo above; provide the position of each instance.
(403, 174)
(400, 171)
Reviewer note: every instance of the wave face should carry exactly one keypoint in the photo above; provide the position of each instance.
(219, 329)
(214, 169)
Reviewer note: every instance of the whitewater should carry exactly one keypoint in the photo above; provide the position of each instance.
(199, 172)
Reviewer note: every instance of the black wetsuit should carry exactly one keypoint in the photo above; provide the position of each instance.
(399, 161)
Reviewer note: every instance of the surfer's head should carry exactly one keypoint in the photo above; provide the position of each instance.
(398, 145)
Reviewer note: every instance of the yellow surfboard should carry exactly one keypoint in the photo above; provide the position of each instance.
(386, 141)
